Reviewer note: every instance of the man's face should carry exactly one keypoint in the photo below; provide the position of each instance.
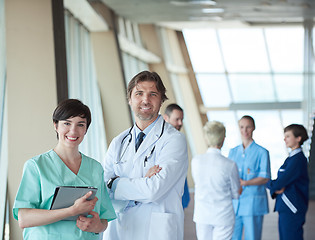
(176, 119)
(145, 101)
(246, 128)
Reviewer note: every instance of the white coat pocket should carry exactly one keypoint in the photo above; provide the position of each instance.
(163, 226)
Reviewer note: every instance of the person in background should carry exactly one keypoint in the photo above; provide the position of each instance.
(174, 115)
(147, 206)
(291, 186)
(216, 184)
(63, 166)
(254, 170)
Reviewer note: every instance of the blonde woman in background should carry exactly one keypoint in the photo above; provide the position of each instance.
(216, 184)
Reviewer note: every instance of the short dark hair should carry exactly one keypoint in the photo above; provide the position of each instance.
(147, 76)
(248, 118)
(171, 107)
(72, 108)
(298, 131)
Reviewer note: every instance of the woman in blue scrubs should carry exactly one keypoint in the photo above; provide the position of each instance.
(291, 186)
(63, 166)
(254, 171)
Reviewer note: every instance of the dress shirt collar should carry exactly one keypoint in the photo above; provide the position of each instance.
(146, 130)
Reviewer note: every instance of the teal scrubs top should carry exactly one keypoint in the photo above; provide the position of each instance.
(41, 175)
(252, 162)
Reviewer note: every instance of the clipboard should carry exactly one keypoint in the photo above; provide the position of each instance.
(65, 196)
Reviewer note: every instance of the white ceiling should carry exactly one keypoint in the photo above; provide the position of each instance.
(179, 13)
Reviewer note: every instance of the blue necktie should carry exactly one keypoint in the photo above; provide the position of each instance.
(141, 135)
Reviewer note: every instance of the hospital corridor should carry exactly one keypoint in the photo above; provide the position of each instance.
(270, 225)
(245, 66)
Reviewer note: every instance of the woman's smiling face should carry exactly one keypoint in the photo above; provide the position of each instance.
(71, 131)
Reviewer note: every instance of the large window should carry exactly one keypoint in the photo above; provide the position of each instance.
(131, 47)
(132, 66)
(252, 71)
(82, 82)
(3, 153)
(2, 69)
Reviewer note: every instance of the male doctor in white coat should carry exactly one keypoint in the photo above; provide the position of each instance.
(148, 204)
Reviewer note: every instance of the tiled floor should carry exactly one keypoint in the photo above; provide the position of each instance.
(270, 228)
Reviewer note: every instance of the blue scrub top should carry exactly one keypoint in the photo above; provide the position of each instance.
(41, 175)
(252, 162)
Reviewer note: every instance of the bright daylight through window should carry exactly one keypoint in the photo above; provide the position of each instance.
(251, 71)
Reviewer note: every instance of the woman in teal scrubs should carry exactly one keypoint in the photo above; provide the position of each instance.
(63, 166)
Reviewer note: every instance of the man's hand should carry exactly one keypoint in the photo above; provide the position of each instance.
(153, 170)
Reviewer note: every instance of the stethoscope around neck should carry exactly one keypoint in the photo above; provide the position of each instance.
(123, 151)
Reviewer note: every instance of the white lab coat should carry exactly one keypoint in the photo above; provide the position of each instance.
(216, 184)
(159, 212)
